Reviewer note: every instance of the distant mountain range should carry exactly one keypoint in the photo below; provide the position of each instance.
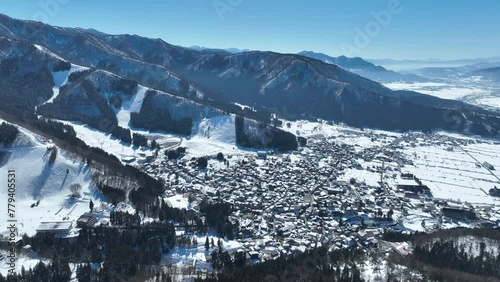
(364, 68)
(410, 65)
(492, 74)
(477, 69)
(184, 85)
(230, 50)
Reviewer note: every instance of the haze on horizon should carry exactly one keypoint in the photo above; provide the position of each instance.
(395, 29)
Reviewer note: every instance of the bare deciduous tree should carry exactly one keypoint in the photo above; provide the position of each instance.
(76, 190)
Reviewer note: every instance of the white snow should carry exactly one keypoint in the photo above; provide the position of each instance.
(131, 106)
(61, 78)
(178, 202)
(48, 52)
(38, 179)
(213, 135)
(471, 90)
(454, 175)
(441, 90)
(244, 106)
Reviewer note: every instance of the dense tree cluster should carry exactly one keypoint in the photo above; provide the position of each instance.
(57, 270)
(449, 254)
(123, 250)
(8, 134)
(124, 86)
(439, 256)
(396, 236)
(313, 265)
(149, 190)
(202, 162)
(220, 156)
(217, 218)
(124, 219)
(77, 75)
(22, 89)
(274, 137)
(115, 195)
(139, 140)
(61, 66)
(123, 134)
(175, 153)
(81, 101)
(154, 118)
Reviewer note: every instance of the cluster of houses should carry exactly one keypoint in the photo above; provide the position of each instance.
(296, 201)
(286, 203)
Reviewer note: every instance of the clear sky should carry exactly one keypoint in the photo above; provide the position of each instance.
(403, 29)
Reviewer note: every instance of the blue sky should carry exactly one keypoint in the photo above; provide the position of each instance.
(405, 29)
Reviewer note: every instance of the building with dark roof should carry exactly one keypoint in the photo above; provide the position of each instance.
(86, 220)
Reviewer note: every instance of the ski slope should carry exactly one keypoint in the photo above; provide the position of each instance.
(61, 78)
(131, 106)
(40, 180)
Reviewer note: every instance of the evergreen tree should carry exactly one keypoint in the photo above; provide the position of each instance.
(41, 272)
(220, 156)
(390, 213)
(207, 244)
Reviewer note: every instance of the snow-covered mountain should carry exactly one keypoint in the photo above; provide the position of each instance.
(230, 50)
(411, 65)
(290, 86)
(366, 69)
(101, 99)
(456, 71)
(492, 74)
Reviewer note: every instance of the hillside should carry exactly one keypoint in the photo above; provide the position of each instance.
(291, 86)
(44, 174)
(108, 102)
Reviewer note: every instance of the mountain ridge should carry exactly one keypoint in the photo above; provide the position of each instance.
(289, 85)
(365, 68)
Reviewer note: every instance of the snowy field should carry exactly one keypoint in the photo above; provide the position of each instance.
(452, 175)
(99, 139)
(473, 91)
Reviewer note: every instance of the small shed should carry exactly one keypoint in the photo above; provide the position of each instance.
(262, 154)
(86, 220)
(55, 227)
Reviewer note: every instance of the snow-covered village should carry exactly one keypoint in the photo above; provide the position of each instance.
(344, 188)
